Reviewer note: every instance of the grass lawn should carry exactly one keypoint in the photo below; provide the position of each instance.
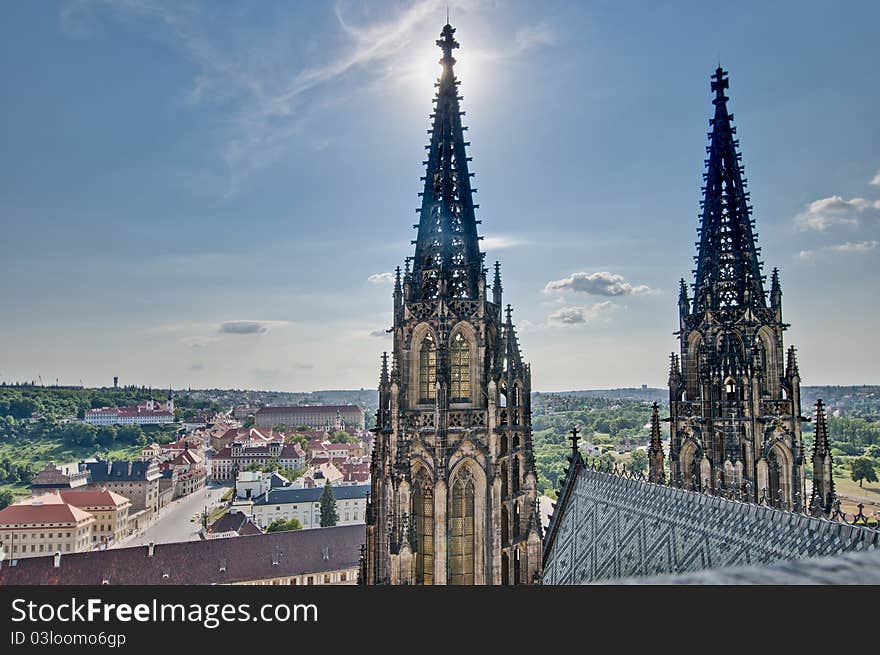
(851, 494)
(40, 452)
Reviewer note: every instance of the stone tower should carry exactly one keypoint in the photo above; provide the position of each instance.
(735, 402)
(656, 471)
(454, 497)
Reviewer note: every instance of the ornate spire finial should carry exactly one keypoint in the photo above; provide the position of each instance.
(447, 43)
(509, 312)
(397, 280)
(719, 83)
(574, 438)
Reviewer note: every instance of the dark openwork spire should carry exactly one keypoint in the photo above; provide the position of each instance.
(447, 259)
(823, 466)
(656, 472)
(821, 445)
(728, 270)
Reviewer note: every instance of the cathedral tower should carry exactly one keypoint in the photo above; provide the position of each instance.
(454, 495)
(734, 399)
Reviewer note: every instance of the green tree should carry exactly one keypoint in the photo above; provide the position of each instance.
(862, 469)
(280, 525)
(873, 451)
(249, 422)
(5, 498)
(329, 515)
(639, 462)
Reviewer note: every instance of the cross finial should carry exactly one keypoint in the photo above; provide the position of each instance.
(574, 439)
(719, 83)
(509, 312)
(447, 43)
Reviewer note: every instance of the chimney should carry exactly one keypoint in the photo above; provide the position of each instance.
(150, 548)
(57, 559)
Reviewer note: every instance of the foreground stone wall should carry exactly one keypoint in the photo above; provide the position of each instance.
(610, 527)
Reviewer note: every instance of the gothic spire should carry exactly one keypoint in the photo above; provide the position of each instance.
(821, 445)
(728, 272)
(447, 259)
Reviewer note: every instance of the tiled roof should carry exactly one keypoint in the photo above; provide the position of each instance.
(212, 561)
(121, 471)
(92, 498)
(282, 495)
(47, 508)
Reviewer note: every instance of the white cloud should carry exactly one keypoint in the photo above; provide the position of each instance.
(876, 180)
(576, 315)
(248, 327)
(822, 214)
(848, 248)
(381, 278)
(601, 283)
(382, 334)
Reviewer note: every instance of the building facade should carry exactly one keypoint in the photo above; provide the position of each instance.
(149, 412)
(44, 525)
(109, 509)
(735, 398)
(453, 479)
(316, 417)
(137, 481)
(305, 505)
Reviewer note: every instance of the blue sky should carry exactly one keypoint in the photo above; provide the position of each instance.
(207, 194)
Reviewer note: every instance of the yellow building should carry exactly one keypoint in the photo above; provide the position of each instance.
(44, 525)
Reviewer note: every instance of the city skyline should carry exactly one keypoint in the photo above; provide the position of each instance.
(218, 199)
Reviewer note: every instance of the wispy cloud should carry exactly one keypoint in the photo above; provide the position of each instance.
(248, 327)
(825, 213)
(601, 283)
(265, 95)
(381, 278)
(876, 180)
(198, 366)
(848, 248)
(500, 242)
(382, 334)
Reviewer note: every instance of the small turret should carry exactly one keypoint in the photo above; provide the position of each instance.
(684, 304)
(496, 285)
(656, 472)
(823, 481)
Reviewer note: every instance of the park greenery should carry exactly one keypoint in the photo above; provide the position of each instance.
(280, 525)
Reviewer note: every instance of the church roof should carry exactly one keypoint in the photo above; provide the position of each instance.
(606, 526)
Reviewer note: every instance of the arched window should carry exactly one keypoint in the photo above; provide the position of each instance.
(423, 517)
(461, 530)
(504, 480)
(427, 370)
(460, 368)
(505, 526)
(515, 480)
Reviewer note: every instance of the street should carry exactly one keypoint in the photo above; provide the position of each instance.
(174, 524)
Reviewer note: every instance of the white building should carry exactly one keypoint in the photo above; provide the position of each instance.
(305, 505)
(149, 412)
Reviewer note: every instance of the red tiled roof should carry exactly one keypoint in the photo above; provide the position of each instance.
(48, 508)
(93, 498)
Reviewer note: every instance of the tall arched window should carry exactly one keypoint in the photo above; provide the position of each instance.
(460, 368)
(427, 370)
(423, 518)
(461, 529)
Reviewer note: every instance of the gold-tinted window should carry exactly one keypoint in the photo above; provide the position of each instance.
(460, 368)
(423, 515)
(461, 530)
(428, 370)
